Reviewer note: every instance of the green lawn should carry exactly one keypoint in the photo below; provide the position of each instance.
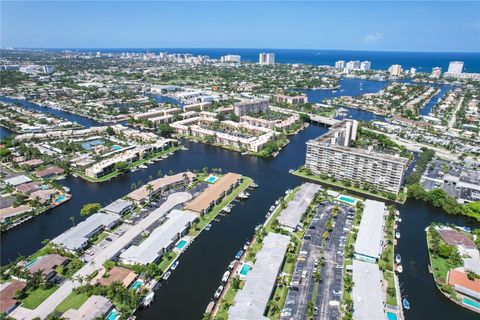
(73, 301)
(165, 262)
(391, 296)
(226, 302)
(400, 199)
(37, 296)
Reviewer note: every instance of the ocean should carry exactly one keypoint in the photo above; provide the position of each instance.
(423, 61)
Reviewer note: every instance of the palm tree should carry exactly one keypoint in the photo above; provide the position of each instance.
(150, 191)
(159, 173)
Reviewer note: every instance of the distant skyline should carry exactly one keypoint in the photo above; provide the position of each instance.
(450, 26)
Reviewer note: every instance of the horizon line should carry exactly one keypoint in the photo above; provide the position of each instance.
(230, 48)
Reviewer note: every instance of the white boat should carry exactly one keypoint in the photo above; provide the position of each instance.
(208, 226)
(142, 166)
(218, 292)
(167, 275)
(226, 209)
(397, 235)
(67, 189)
(243, 196)
(225, 277)
(174, 265)
(399, 268)
(291, 171)
(254, 185)
(398, 258)
(148, 299)
(164, 156)
(75, 175)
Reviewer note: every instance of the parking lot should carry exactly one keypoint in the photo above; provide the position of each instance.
(331, 284)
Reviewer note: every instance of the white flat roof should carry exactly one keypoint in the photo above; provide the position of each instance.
(18, 180)
(160, 238)
(292, 214)
(367, 292)
(251, 301)
(370, 234)
(74, 238)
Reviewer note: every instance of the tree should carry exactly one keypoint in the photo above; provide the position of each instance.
(149, 188)
(121, 166)
(110, 131)
(165, 129)
(90, 208)
(159, 173)
(133, 186)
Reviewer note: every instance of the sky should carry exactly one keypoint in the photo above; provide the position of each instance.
(343, 25)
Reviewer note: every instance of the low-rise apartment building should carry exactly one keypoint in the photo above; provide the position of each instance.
(250, 106)
(297, 99)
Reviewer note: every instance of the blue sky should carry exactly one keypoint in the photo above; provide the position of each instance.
(357, 25)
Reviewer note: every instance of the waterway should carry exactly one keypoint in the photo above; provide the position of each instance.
(193, 283)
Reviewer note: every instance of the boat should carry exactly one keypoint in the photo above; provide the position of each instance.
(174, 265)
(246, 245)
(398, 258)
(218, 292)
(148, 299)
(291, 171)
(232, 264)
(67, 189)
(406, 304)
(167, 275)
(239, 254)
(399, 268)
(226, 209)
(208, 226)
(254, 185)
(75, 175)
(164, 156)
(225, 277)
(243, 195)
(142, 166)
(397, 235)
(133, 170)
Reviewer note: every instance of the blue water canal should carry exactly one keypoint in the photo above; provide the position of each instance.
(193, 283)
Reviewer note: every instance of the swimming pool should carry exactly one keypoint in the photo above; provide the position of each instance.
(60, 198)
(137, 284)
(181, 244)
(471, 303)
(113, 315)
(30, 264)
(116, 148)
(391, 316)
(211, 179)
(245, 269)
(347, 199)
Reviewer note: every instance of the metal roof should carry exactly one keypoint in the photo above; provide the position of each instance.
(118, 206)
(160, 238)
(367, 292)
(251, 301)
(370, 236)
(292, 214)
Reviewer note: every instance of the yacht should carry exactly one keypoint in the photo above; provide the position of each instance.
(399, 268)
(398, 258)
(148, 299)
(174, 265)
(167, 275)
(225, 277)
(208, 226)
(406, 304)
(218, 292)
(397, 235)
(142, 166)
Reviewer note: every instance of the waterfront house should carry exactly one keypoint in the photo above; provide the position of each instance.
(7, 295)
(96, 307)
(50, 172)
(118, 274)
(47, 265)
(119, 206)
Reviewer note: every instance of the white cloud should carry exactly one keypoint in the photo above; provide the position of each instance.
(373, 37)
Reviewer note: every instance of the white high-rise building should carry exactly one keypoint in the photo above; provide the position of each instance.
(340, 64)
(352, 65)
(266, 58)
(436, 72)
(365, 65)
(413, 71)
(231, 58)
(395, 70)
(455, 67)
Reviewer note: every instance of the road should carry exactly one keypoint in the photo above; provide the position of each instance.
(452, 121)
(49, 305)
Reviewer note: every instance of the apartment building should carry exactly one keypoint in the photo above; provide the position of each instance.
(297, 99)
(331, 155)
(250, 106)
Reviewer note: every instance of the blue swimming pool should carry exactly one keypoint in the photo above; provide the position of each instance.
(391, 316)
(60, 198)
(137, 284)
(245, 269)
(211, 179)
(347, 199)
(471, 303)
(181, 244)
(116, 148)
(113, 315)
(30, 263)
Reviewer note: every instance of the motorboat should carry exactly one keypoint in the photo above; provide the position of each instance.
(406, 304)
(398, 258)
(148, 299)
(399, 268)
(174, 265)
(218, 292)
(225, 277)
(167, 275)
(208, 226)
(397, 235)
(239, 254)
(243, 195)
(142, 166)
